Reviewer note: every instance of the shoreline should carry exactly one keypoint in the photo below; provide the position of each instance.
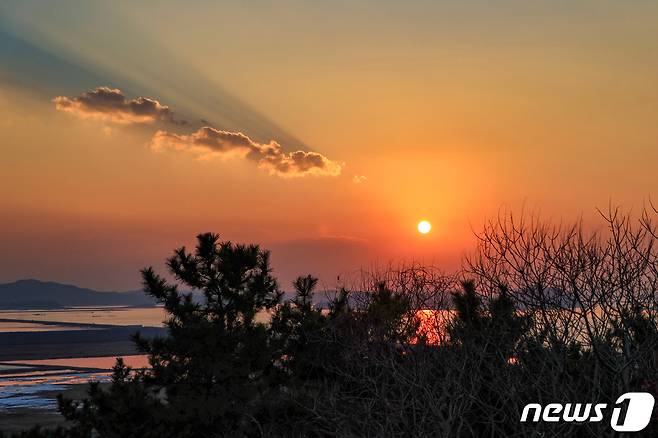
(18, 419)
(85, 351)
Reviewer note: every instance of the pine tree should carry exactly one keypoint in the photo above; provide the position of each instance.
(208, 373)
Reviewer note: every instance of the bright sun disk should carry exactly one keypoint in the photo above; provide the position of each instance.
(424, 227)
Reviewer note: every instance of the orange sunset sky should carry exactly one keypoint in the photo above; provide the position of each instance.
(322, 130)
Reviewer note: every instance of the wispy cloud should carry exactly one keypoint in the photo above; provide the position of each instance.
(110, 104)
(209, 142)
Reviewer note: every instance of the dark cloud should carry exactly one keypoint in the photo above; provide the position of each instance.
(326, 257)
(209, 142)
(111, 104)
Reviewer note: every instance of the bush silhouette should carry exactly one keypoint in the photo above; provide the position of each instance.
(545, 315)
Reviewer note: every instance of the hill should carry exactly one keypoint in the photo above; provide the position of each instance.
(35, 294)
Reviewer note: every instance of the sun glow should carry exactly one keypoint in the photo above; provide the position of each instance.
(424, 227)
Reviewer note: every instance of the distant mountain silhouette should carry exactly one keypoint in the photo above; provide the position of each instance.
(35, 294)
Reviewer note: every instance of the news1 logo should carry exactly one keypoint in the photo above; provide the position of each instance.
(637, 416)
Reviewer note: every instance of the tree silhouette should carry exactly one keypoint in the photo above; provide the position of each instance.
(548, 317)
(206, 375)
(494, 330)
(298, 331)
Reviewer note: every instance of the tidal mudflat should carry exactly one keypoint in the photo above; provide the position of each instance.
(45, 353)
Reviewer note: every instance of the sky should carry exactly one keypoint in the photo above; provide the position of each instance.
(324, 131)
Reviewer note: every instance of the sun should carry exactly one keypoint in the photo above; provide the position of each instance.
(424, 227)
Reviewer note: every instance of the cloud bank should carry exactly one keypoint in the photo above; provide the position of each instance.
(209, 143)
(112, 105)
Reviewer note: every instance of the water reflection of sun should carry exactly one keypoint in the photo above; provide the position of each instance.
(432, 325)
